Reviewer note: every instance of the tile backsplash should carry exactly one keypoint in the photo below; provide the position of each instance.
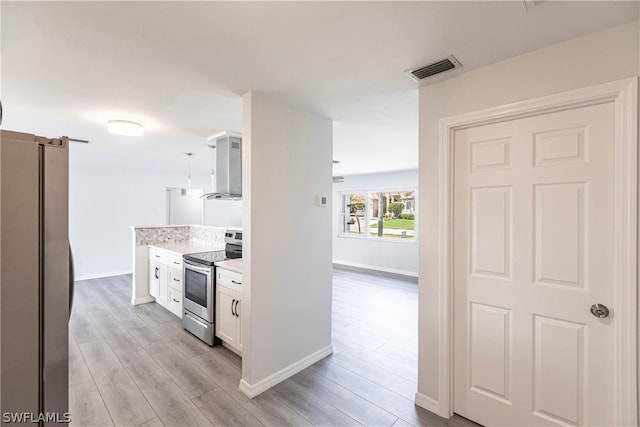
(206, 236)
(197, 235)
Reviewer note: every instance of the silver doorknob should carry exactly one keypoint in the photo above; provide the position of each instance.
(600, 310)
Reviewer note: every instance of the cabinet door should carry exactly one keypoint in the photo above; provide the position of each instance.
(238, 323)
(154, 279)
(226, 327)
(163, 283)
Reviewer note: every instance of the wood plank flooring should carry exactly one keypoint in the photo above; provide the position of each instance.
(136, 366)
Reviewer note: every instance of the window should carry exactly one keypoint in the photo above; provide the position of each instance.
(353, 214)
(378, 214)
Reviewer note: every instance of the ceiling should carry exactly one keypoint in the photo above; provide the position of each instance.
(182, 67)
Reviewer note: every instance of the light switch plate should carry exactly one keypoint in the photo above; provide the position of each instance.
(321, 200)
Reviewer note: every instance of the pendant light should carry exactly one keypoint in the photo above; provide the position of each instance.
(213, 163)
(189, 172)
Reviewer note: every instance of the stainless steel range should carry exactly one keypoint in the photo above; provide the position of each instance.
(199, 302)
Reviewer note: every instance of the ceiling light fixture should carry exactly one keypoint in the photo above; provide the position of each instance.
(125, 126)
(189, 172)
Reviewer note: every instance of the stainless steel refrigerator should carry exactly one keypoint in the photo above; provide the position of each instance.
(35, 278)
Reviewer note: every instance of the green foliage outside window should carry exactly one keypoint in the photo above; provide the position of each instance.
(395, 209)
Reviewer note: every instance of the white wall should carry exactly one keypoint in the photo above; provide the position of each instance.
(223, 213)
(598, 58)
(287, 291)
(383, 255)
(105, 203)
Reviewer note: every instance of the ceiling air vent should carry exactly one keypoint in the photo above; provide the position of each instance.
(435, 68)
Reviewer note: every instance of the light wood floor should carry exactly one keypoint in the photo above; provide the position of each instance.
(137, 366)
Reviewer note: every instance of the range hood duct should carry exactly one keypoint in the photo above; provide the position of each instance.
(228, 171)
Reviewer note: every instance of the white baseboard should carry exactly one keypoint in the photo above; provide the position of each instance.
(99, 275)
(375, 268)
(427, 403)
(142, 300)
(252, 390)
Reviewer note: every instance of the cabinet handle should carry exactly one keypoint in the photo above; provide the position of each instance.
(157, 256)
(232, 303)
(237, 301)
(176, 263)
(176, 280)
(156, 273)
(175, 300)
(237, 283)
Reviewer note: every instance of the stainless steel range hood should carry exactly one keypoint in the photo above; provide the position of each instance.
(228, 171)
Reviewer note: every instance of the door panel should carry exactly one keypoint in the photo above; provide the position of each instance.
(560, 146)
(491, 351)
(560, 234)
(492, 154)
(490, 231)
(533, 249)
(558, 381)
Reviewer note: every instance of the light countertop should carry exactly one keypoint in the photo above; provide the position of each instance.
(186, 247)
(231, 264)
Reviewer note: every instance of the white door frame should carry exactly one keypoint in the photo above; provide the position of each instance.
(624, 95)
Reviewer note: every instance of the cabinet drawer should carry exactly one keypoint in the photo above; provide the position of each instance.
(175, 279)
(157, 256)
(175, 261)
(175, 302)
(230, 279)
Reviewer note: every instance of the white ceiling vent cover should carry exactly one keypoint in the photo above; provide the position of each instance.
(434, 68)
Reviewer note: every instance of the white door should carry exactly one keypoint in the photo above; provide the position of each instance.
(533, 250)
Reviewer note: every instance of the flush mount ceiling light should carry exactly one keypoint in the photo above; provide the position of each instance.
(125, 126)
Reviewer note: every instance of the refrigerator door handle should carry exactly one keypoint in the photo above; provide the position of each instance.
(71, 280)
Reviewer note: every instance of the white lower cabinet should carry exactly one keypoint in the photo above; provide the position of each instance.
(228, 326)
(174, 300)
(158, 281)
(165, 279)
(154, 279)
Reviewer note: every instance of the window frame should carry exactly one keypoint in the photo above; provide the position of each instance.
(344, 194)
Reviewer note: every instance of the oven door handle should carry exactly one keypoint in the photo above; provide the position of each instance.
(196, 267)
